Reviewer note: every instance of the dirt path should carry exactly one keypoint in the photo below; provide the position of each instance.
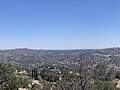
(22, 89)
(118, 85)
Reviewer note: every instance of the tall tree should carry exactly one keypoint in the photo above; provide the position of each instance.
(35, 73)
(84, 71)
(83, 74)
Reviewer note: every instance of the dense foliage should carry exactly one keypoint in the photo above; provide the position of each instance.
(85, 76)
(8, 81)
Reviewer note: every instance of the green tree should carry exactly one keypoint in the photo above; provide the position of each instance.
(105, 85)
(24, 82)
(100, 72)
(110, 74)
(8, 80)
(35, 73)
(118, 75)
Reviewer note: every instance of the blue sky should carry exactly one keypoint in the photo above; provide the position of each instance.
(59, 24)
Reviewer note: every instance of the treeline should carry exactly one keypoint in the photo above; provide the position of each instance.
(85, 76)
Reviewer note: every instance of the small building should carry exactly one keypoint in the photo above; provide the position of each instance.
(55, 70)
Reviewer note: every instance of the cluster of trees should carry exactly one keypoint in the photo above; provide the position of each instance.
(35, 73)
(103, 75)
(90, 76)
(8, 81)
(87, 75)
(48, 75)
(8, 78)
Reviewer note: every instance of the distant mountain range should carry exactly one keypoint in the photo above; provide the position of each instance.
(31, 57)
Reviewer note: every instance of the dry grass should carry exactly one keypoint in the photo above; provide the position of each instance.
(118, 85)
(22, 89)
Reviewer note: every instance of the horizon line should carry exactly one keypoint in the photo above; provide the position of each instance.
(59, 49)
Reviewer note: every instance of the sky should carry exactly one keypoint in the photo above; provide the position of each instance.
(59, 24)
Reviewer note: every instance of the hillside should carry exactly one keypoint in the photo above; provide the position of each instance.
(30, 57)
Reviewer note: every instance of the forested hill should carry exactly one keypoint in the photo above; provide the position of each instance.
(31, 57)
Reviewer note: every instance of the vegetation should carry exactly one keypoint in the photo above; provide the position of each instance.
(8, 81)
(27, 58)
(85, 74)
(84, 77)
(35, 73)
